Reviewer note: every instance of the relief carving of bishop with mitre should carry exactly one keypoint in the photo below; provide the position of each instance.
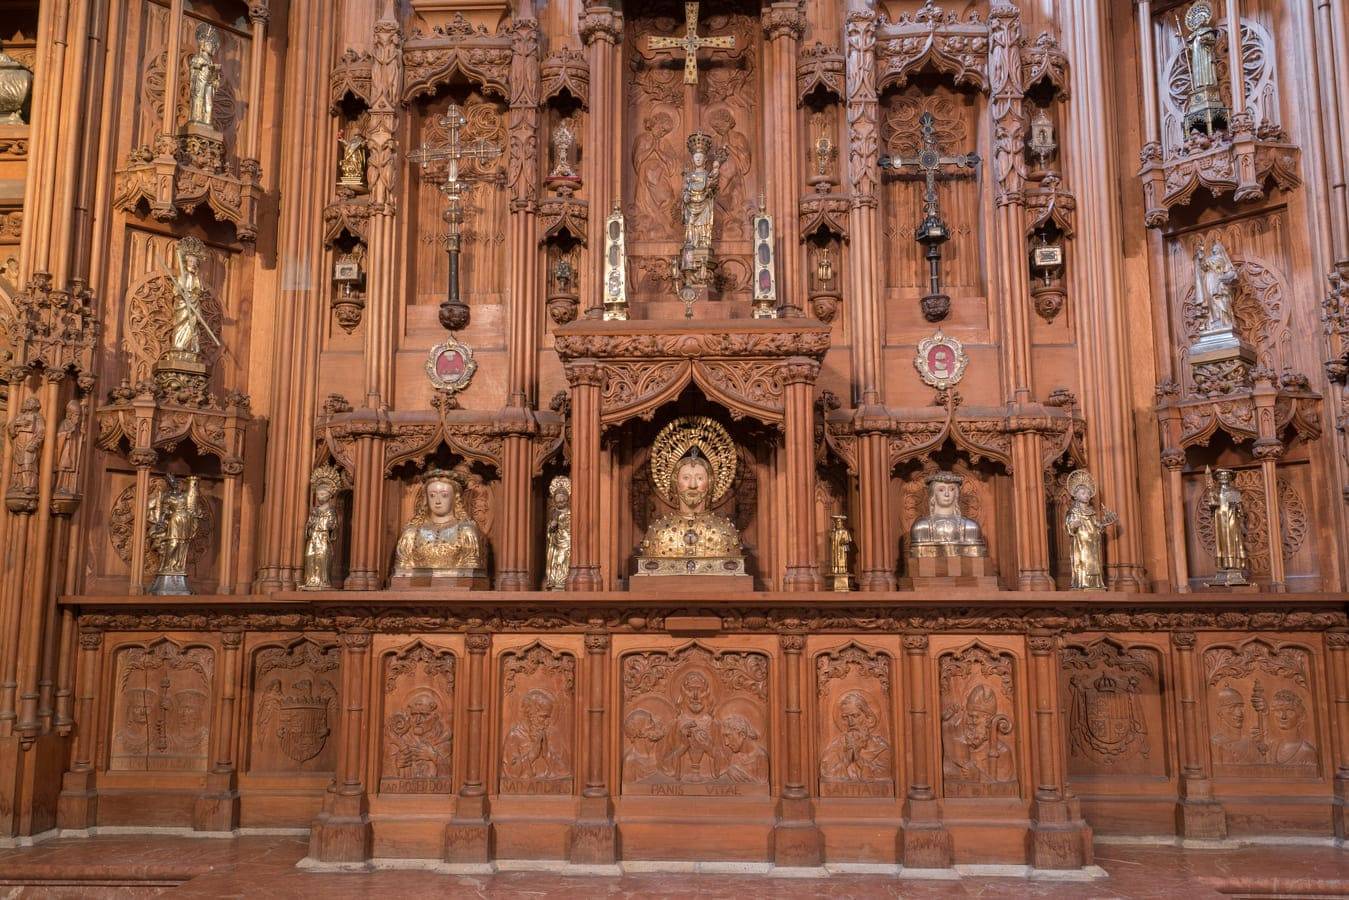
(440, 546)
(693, 463)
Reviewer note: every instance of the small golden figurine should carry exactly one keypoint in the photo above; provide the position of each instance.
(1223, 498)
(558, 561)
(840, 545)
(1204, 110)
(693, 463)
(175, 518)
(944, 531)
(351, 164)
(1086, 530)
(322, 530)
(203, 74)
(824, 268)
(440, 546)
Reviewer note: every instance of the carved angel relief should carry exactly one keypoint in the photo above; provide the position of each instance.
(856, 740)
(418, 687)
(695, 723)
(1114, 710)
(295, 708)
(978, 715)
(1261, 711)
(538, 700)
(161, 708)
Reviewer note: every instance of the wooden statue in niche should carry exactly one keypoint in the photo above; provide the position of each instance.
(162, 708)
(537, 721)
(440, 546)
(27, 433)
(418, 712)
(69, 445)
(857, 756)
(695, 723)
(977, 715)
(1260, 711)
(295, 708)
(1223, 498)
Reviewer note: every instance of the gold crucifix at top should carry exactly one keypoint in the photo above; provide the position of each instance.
(690, 43)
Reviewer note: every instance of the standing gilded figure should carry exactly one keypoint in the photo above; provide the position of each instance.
(323, 528)
(558, 561)
(1086, 532)
(203, 74)
(175, 517)
(1223, 499)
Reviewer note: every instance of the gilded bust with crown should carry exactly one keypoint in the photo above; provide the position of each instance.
(692, 467)
(440, 545)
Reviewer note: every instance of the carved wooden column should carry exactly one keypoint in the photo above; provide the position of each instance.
(585, 377)
(783, 26)
(594, 837)
(1104, 343)
(876, 549)
(523, 277)
(13, 530)
(796, 839)
(217, 807)
(1338, 664)
(798, 376)
(341, 832)
(300, 313)
(1269, 450)
(366, 511)
(77, 806)
(1060, 838)
(1198, 815)
(924, 842)
(601, 28)
(468, 836)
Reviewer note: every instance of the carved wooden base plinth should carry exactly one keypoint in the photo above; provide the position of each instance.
(428, 582)
(31, 773)
(924, 842)
(684, 583)
(1339, 813)
(1198, 816)
(1059, 838)
(217, 807)
(797, 841)
(468, 836)
(341, 832)
(949, 571)
(77, 806)
(594, 838)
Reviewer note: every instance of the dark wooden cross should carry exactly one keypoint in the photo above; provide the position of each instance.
(690, 43)
(932, 231)
(455, 183)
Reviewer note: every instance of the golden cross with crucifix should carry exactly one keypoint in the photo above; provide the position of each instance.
(690, 43)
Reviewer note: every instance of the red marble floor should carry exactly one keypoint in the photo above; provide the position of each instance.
(135, 866)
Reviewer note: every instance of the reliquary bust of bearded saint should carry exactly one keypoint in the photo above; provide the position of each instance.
(693, 464)
(440, 545)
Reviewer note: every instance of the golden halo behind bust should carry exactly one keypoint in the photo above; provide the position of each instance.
(675, 441)
(1081, 478)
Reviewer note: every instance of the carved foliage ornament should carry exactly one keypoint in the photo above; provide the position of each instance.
(934, 39)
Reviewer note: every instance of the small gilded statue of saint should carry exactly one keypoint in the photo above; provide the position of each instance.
(558, 561)
(1086, 532)
(440, 546)
(323, 529)
(1223, 499)
(839, 577)
(175, 518)
(693, 463)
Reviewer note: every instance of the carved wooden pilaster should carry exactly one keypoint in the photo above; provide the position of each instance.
(783, 26)
(586, 378)
(468, 836)
(1269, 450)
(797, 841)
(1198, 815)
(367, 510)
(924, 842)
(341, 832)
(863, 246)
(802, 573)
(1338, 666)
(601, 29)
(217, 807)
(383, 294)
(77, 806)
(1060, 838)
(1104, 341)
(517, 481)
(594, 837)
(14, 528)
(877, 550)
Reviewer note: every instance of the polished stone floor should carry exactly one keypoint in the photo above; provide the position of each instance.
(135, 866)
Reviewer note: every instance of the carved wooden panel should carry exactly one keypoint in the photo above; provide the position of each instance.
(538, 721)
(1113, 698)
(295, 708)
(978, 723)
(417, 686)
(854, 730)
(695, 723)
(1261, 711)
(161, 708)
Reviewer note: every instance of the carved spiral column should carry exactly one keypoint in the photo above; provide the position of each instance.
(594, 837)
(585, 377)
(217, 808)
(77, 806)
(1198, 815)
(300, 311)
(341, 832)
(798, 376)
(601, 28)
(924, 842)
(1060, 838)
(796, 839)
(783, 26)
(468, 836)
(1338, 664)
(1112, 448)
